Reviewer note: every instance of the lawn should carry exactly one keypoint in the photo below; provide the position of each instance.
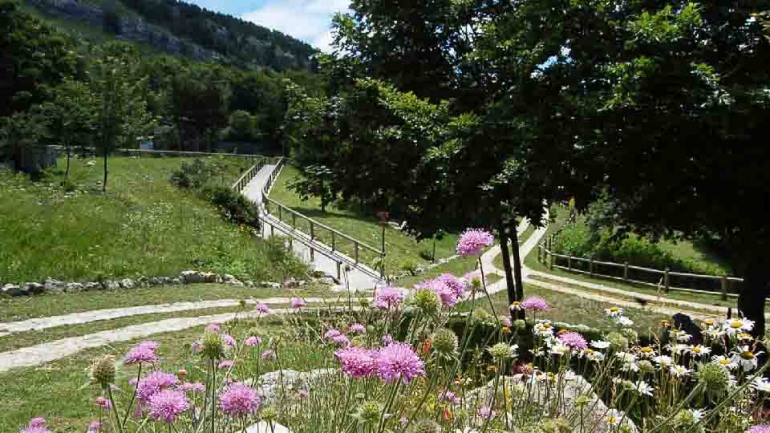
(59, 391)
(141, 226)
(457, 267)
(403, 251)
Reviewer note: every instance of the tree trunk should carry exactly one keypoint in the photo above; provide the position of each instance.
(104, 180)
(751, 301)
(511, 288)
(516, 262)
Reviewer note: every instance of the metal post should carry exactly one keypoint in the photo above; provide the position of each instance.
(355, 249)
(665, 280)
(724, 288)
(625, 271)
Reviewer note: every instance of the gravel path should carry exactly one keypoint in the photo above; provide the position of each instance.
(38, 324)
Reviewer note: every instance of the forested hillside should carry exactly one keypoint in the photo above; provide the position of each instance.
(180, 28)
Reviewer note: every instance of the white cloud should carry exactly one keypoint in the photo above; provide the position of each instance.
(308, 20)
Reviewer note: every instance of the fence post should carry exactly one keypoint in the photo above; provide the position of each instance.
(355, 249)
(339, 271)
(724, 288)
(665, 280)
(591, 267)
(294, 221)
(312, 231)
(550, 260)
(540, 253)
(569, 262)
(280, 213)
(334, 242)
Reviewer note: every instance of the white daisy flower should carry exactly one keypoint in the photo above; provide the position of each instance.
(559, 349)
(724, 362)
(614, 417)
(646, 352)
(626, 357)
(734, 326)
(663, 360)
(745, 358)
(600, 344)
(761, 384)
(679, 371)
(699, 350)
(625, 321)
(697, 414)
(592, 355)
(643, 388)
(614, 312)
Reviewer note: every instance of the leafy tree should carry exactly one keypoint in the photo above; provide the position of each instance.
(118, 93)
(18, 133)
(70, 117)
(242, 125)
(199, 98)
(315, 181)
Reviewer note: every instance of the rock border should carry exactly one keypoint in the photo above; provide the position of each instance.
(54, 286)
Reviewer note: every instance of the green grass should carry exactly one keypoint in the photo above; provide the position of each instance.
(458, 267)
(59, 390)
(21, 308)
(402, 250)
(141, 226)
(576, 310)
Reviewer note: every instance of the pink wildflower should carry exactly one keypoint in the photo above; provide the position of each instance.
(761, 428)
(357, 328)
(341, 340)
(573, 340)
(302, 393)
(227, 363)
(37, 422)
(449, 397)
(331, 333)
(154, 383)
(213, 327)
(36, 425)
(456, 284)
(298, 303)
(252, 341)
(356, 362)
(388, 297)
(535, 303)
(398, 361)
(262, 308)
(194, 387)
(387, 340)
(103, 403)
(506, 321)
(229, 340)
(268, 355)
(95, 427)
(141, 353)
(486, 412)
(238, 400)
(445, 293)
(473, 241)
(472, 277)
(167, 405)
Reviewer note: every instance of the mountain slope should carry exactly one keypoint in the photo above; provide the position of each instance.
(181, 28)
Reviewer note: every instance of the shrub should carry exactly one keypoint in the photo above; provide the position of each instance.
(234, 207)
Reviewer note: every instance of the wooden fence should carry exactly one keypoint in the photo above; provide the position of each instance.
(666, 279)
(316, 229)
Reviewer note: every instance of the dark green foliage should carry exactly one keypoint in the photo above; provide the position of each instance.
(316, 181)
(234, 206)
(193, 175)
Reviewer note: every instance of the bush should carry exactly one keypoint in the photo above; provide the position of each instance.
(193, 175)
(234, 207)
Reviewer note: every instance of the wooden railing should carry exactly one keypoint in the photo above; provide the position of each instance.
(661, 279)
(317, 231)
(248, 175)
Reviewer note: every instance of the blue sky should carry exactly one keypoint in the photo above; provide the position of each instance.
(308, 20)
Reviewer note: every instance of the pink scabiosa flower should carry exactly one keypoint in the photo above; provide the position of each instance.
(252, 341)
(238, 400)
(229, 340)
(103, 403)
(227, 363)
(193, 387)
(36, 425)
(573, 340)
(262, 308)
(445, 293)
(486, 413)
(302, 393)
(143, 352)
(154, 383)
(95, 427)
(357, 328)
(388, 297)
(167, 405)
(356, 362)
(473, 279)
(473, 241)
(213, 327)
(298, 303)
(387, 340)
(331, 333)
(534, 303)
(457, 285)
(268, 355)
(449, 397)
(760, 428)
(506, 322)
(398, 361)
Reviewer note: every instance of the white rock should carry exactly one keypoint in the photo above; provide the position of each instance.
(73, 288)
(127, 283)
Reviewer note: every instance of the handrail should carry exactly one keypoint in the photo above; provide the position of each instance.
(547, 256)
(313, 222)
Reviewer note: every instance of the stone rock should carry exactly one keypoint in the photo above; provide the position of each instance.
(564, 400)
(34, 288)
(248, 283)
(191, 277)
(54, 286)
(93, 286)
(269, 285)
(110, 285)
(231, 280)
(290, 283)
(176, 281)
(269, 384)
(157, 281)
(13, 290)
(127, 283)
(263, 427)
(74, 288)
(328, 280)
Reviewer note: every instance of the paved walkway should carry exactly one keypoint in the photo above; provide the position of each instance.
(357, 279)
(39, 324)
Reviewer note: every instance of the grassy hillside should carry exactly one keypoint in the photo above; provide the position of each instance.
(142, 226)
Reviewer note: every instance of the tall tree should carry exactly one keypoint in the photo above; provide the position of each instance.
(118, 92)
